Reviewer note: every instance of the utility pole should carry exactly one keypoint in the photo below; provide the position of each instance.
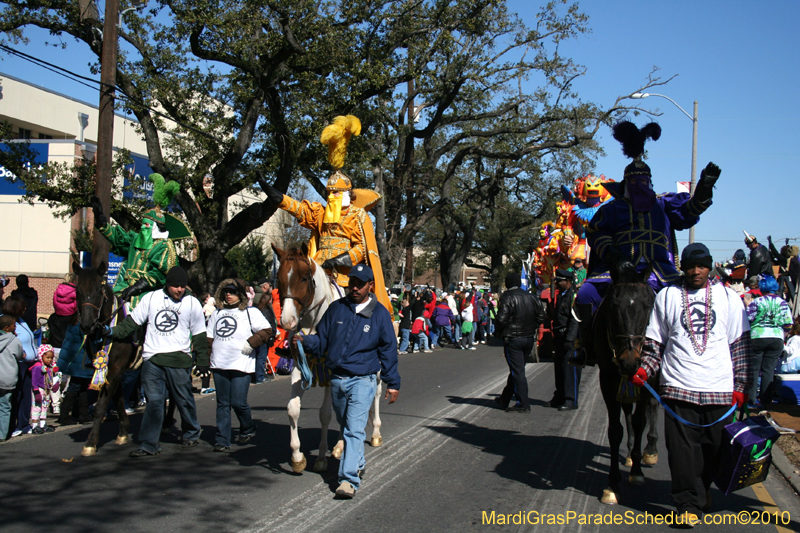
(105, 129)
(410, 250)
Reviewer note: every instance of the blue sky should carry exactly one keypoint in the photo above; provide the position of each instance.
(736, 58)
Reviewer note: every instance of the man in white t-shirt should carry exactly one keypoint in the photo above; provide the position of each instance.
(699, 337)
(175, 326)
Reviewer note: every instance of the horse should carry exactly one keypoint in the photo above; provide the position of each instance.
(305, 294)
(619, 325)
(97, 307)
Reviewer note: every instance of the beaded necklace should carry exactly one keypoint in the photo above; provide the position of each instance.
(698, 348)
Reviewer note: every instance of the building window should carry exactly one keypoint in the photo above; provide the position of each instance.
(24, 134)
(45, 136)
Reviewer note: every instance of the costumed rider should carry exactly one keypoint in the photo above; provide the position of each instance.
(150, 252)
(341, 231)
(760, 260)
(636, 229)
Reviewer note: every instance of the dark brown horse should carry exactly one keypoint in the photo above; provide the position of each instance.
(619, 327)
(97, 307)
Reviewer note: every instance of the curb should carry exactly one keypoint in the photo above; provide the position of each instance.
(785, 467)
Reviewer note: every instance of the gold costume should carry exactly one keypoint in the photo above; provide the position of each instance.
(353, 234)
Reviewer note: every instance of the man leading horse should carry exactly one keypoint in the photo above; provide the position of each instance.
(636, 229)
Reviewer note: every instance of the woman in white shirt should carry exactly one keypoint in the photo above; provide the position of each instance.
(234, 332)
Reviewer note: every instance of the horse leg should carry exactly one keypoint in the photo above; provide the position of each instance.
(650, 456)
(629, 431)
(375, 416)
(609, 389)
(636, 476)
(321, 465)
(298, 460)
(100, 409)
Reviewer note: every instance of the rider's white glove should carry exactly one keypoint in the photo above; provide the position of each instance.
(247, 349)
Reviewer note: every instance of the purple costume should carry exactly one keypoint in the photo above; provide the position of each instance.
(644, 238)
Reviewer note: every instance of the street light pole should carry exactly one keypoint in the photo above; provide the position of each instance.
(693, 118)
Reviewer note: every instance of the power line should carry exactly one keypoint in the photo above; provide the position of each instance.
(125, 96)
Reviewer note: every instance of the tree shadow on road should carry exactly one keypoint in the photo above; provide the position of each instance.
(557, 463)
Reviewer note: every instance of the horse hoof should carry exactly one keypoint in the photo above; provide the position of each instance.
(628, 461)
(321, 465)
(609, 497)
(298, 466)
(650, 459)
(337, 452)
(377, 442)
(125, 439)
(88, 451)
(635, 481)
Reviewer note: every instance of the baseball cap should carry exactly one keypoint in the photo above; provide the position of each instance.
(362, 272)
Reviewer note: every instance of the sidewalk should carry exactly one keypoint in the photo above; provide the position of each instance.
(786, 455)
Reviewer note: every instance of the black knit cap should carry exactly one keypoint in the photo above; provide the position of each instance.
(696, 254)
(513, 280)
(177, 277)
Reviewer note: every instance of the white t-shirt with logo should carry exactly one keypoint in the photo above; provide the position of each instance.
(230, 329)
(170, 324)
(681, 366)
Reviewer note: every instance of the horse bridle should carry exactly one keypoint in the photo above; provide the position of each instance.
(310, 292)
(98, 321)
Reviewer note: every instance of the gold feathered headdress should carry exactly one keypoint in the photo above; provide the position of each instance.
(337, 136)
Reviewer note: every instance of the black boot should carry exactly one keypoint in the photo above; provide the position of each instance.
(584, 352)
(67, 404)
(83, 408)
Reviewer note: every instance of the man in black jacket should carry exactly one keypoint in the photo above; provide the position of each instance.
(565, 329)
(519, 315)
(31, 297)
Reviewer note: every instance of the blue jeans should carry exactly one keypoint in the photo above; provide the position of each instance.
(442, 331)
(5, 413)
(352, 399)
(232, 387)
(422, 339)
(155, 382)
(434, 335)
(404, 333)
(261, 364)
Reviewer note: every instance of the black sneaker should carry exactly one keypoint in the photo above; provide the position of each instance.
(221, 448)
(49, 429)
(141, 453)
(244, 439)
(189, 443)
(37, 431)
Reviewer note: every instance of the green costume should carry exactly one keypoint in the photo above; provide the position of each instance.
(150, 264)
(147, 259)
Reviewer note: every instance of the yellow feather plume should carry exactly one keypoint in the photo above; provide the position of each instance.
(337, 135)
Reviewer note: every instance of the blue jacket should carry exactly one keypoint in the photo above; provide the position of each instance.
(74, 359)
(357, 344)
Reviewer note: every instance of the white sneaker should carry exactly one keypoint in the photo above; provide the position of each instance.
(427, 351)
(130, 411)
(483, 342)
(472, 348)
(16, 433)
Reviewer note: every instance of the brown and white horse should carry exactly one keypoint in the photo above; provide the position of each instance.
(305, 294)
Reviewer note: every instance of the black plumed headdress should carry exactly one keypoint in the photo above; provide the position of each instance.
(632, 139)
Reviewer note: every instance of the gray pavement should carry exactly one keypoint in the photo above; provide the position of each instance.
(450, 459)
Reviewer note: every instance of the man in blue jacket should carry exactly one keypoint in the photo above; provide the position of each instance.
(357, 335)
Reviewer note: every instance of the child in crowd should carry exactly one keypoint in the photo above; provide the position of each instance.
(11, 354)
(420, 330)
(405, 326)
(45, 381)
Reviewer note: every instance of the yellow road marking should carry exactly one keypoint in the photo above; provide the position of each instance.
(769, 504)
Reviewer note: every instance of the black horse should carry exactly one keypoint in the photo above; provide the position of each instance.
(619, 328)
(97, 307)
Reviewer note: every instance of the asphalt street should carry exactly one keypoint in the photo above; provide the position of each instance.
(450, 459)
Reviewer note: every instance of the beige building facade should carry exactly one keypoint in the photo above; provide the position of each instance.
(64, 130)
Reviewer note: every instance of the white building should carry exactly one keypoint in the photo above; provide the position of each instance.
(61, 129)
